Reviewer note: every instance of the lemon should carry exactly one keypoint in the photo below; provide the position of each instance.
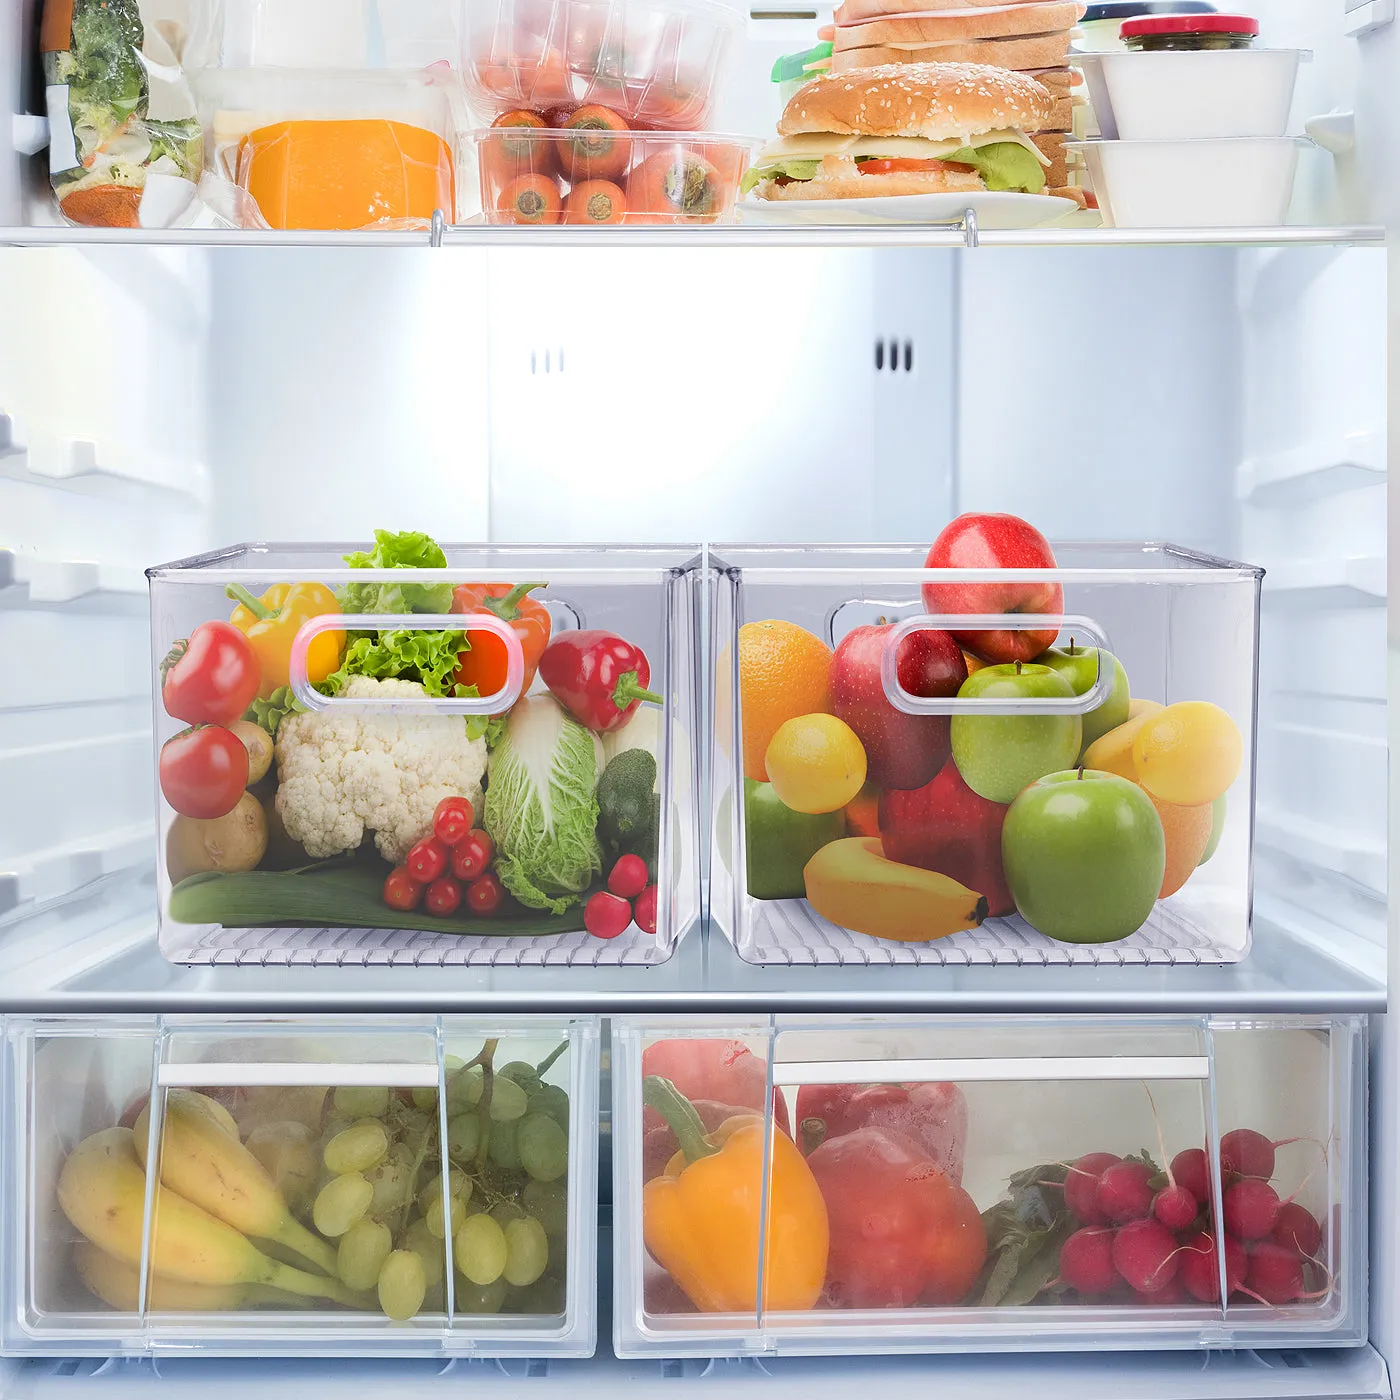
(815, 763)
(1188, 753)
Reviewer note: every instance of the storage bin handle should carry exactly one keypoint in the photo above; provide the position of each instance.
(504, 698)
(1081, 627)
(992, 1069)
(295, 1075)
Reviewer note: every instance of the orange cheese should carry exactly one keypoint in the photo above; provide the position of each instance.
(346, 174)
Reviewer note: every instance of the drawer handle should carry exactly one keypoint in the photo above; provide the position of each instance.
(1082, 627)
(503, 699)
(295, 1075)
(991, 1070)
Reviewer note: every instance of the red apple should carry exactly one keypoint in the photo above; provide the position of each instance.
(947, 827)
(901, 751)
(995, 542)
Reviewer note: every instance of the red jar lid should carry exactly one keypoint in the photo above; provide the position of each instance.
(1188, 24)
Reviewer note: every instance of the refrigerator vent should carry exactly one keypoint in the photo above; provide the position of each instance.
(550, 361)
(894, 356)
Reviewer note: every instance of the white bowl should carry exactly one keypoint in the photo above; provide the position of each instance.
(1235, 183)
(1180, 96)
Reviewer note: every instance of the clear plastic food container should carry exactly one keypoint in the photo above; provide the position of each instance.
(1023, 818)
(972, 1184)
(1236, 183)
(532, 175)
(336, 34)
(305, 1203)
(657, 63)
(438, 764)
(1140, 96)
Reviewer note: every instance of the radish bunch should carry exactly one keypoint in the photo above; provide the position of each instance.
(1152, 1234)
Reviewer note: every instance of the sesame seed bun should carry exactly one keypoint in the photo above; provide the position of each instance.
(937, 101)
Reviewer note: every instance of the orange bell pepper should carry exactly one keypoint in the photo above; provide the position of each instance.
(484, 664)
(704, 1218)
(272, 622)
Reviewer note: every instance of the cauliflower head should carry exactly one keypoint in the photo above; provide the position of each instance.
(341, 774)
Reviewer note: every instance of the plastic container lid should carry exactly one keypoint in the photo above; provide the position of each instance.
(793, 67)
(1148, 25)
(1126, 9)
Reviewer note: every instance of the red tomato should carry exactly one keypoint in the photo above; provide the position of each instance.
(213, 677)
(452, 820)
(472, 855)
(443, 896)
(401, 890)
(899, 1227)
(427, 860)
(895, 167)
(485, 894)
(204, 771)
(723, 1071)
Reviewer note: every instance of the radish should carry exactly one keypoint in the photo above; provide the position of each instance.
(1163, 1297)
(1124, 1193)
(1082, 1187)
(1145, 1253)
(1191, 1169)
(1086, 1260)
(1251, 1208)
(1200, 1273)
(1275, 1274)
(1297, 1229)
(1244, 1152)
(1175, 1206)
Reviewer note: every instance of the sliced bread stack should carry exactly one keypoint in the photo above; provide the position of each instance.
(1031, 36)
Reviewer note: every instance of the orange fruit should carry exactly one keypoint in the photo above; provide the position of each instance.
(863, 812)
(784, 672)
(1187, 831)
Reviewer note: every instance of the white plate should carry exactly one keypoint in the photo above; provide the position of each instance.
(994, 211)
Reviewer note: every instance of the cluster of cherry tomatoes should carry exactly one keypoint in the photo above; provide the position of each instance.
(613, 174)
(450, 868)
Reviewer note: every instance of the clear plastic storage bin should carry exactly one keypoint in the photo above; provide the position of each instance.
(295, 869)
(982, 862)
(303, 1191)
(656, 63)
(973, 1184)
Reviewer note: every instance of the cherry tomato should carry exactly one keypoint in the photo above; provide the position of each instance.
(452, 820)
(427, 860)
(472, 855)
(629, 877)
(644, 910)
(443, 896)
(606, 916)
(213, 677)
(903, 166)
(204, 771)
(485, 894)
(401, 890)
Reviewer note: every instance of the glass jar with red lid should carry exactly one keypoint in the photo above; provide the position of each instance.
(1188, 33)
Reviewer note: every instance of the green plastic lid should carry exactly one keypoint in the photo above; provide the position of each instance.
(793, 66)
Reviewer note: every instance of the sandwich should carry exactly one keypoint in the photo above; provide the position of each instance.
(915, 128)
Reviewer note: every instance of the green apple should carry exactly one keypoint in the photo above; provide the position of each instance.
(781, 841)
(998, 755)
(1217, 829)
(1080, 667)
(1084, 856)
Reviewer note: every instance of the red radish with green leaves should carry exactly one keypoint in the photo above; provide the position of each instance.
(1082, 1186)
(1125, 1192)
(1297, 1229)
(1145, 1254)
(1086, 1260)
(1200, 1272)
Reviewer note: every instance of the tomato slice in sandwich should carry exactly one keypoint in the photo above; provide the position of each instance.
(895, 167)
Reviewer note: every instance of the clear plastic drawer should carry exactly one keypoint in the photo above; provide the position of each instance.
(381, 1187)
(889, 787)
(972, 1184)
(448, 754)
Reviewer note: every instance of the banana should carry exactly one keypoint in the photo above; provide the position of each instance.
(200, 1161)
(224, 1117)
(102, 1190)
(118, 1284)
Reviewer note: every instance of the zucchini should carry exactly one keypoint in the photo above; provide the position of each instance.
(629, 808)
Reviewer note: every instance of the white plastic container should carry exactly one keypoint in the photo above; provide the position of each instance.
(1245, 182)
(1171, 96)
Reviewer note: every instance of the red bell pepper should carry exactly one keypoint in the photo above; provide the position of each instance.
(599, 678)
(484, 665)
(929, 1118)
(900, 1230)
(724, 1072)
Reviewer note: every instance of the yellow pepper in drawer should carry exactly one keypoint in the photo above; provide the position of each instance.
(272, 622)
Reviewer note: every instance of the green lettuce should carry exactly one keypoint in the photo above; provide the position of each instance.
(268, 714)
(1004, 165)
(794, 169)
(542, 807)
(409, 549)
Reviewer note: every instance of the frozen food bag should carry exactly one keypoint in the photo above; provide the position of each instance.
(126, 148)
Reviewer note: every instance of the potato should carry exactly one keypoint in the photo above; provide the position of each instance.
(236, 841)
(258, 742)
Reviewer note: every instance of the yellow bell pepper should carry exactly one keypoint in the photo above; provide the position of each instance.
(272, 622)
(703, 1219)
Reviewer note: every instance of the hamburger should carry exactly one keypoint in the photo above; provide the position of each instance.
(907, 128)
